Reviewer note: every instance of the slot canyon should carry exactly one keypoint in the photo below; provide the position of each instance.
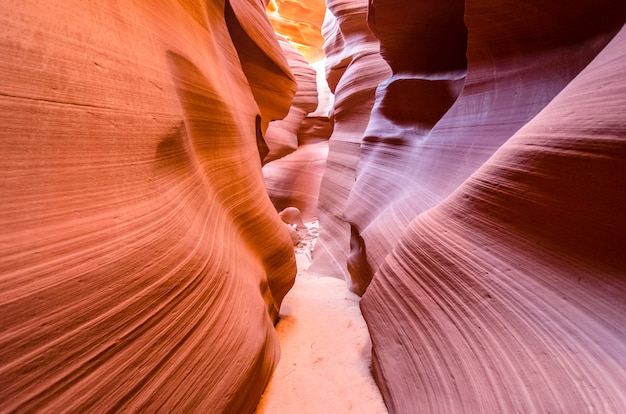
(464, 163)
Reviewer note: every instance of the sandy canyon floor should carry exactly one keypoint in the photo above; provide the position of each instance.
(326, 350)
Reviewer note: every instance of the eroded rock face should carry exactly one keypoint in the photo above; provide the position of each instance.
(299, 143)
(142, 263)
(353, 70)
(295, 179)
(281, 135)
(508, 296)
(425, 45)
(416, 151)
(491, 218)
(300, 21)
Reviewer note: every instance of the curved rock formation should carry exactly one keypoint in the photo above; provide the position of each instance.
(291, 215)
(299, 143)
(142, 263)
(353, 70)
(300, 21)
(281, 135)
(425, 46)
(416, 151)
(509, 295)
(295, 179)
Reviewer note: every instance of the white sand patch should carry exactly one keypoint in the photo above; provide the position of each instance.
(326, 349)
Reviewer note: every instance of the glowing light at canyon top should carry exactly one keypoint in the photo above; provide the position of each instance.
(300, 22)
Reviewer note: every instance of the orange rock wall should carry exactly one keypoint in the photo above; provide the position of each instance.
(142, 264)
(281, 135)
(295, 179)
(298, 144)
(300, 21)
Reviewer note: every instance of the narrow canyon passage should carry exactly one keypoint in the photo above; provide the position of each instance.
(325, 349)
(466, 161)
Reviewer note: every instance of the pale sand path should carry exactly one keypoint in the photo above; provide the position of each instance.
(325, 351)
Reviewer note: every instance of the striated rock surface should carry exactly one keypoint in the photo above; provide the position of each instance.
(299, 143)
(427, 135)
(425, 46)
(281, 135)
(141, 263)
(353, 70)
(508, 296)
(300, 21)
(295, 179)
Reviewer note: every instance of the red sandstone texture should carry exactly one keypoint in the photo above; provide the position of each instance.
(295, 179)
(281, 135)
(300, 22)
(488, 207)
(142, 264)
(354, 68)
(298, 144)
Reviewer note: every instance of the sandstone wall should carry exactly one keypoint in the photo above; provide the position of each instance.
(508, 296)
(281, 135)
(353, 70)
(295, 179)
(487, 209)
(142, 264)
(300, 21)
(299, 143)
(416, 151)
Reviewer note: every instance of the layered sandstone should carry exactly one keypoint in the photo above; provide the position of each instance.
(353, 70)
(299, 143)
(142, 263)
(488, 210)
(281, 135)
(425, 46)
(427, 135)
(295, 179)
(508, 296)
(300, 22)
